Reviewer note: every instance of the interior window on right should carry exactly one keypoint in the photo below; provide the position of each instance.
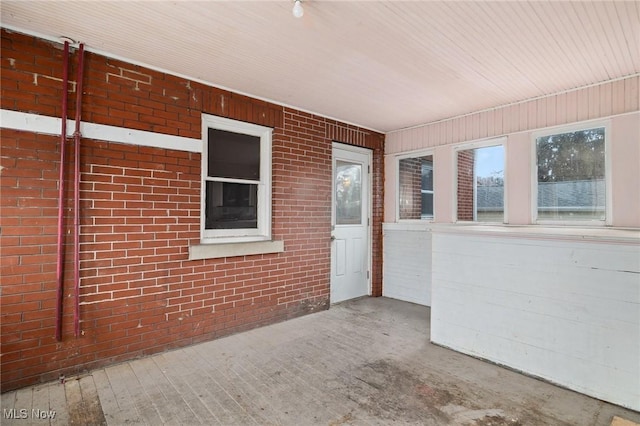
(571, 175)
(481, 184)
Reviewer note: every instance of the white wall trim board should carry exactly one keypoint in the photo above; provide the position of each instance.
(17, 120)
(536, 232)
(607, 235)
(408, 225)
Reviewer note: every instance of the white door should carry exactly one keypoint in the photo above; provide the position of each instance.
(350, 247)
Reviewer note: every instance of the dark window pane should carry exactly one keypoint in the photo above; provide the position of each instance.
(427, 175)
(427, 205)
(233, 155)
(231, 206)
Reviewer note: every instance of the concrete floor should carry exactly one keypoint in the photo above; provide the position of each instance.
(367, 361)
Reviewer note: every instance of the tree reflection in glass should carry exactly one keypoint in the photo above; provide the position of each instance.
(348, 193)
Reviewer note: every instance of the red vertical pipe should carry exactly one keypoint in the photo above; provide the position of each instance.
(76, 217)
(63, 138)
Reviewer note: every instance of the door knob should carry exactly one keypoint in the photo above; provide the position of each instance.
(333, 237)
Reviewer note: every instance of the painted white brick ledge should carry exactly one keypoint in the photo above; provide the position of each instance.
(51, 125)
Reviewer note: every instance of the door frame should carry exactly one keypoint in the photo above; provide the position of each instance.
(369, 164)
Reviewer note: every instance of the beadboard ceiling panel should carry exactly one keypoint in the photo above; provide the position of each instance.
(383, 65)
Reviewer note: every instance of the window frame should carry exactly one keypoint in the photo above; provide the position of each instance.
(431, 191)
(404, 156)
(263, 230)
(569, 128)
(484, 143)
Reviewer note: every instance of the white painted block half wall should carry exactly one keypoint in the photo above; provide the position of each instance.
(566, 310)
(407, 263)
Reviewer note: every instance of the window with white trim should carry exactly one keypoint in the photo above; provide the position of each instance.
(480, 183)
(571, 175)
(236, 181)
(415, 187)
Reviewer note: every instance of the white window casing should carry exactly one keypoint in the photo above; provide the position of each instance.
(472, 145)
(412, 155)
(242, 235)
(559, 130)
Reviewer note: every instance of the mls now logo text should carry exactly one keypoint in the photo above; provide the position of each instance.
(23, 413)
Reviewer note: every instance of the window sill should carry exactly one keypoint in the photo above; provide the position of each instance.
(216, 251)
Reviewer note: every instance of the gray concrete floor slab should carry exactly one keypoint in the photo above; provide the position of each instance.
(363, 362)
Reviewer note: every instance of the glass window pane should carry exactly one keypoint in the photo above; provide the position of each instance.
(348, 193)
(233, 155)
(231, 206)
(427, 174)
(415, 177)
(480, 192)
(571, 175)
(427, 205)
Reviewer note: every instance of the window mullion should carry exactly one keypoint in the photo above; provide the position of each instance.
(227, 180)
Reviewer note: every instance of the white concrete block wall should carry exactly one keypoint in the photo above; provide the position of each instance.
(564, 310)
(407, 263)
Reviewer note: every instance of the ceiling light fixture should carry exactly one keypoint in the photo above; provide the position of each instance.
(298, 11)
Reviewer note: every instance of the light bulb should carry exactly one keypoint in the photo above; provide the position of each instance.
(298, 11)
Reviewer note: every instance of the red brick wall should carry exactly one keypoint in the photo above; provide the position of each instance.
(140, 212)
(466, 160)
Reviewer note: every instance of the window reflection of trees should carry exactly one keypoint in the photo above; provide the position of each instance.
(571, 175)
(348, 193)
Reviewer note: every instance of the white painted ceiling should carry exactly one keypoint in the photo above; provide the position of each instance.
(384, 65)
